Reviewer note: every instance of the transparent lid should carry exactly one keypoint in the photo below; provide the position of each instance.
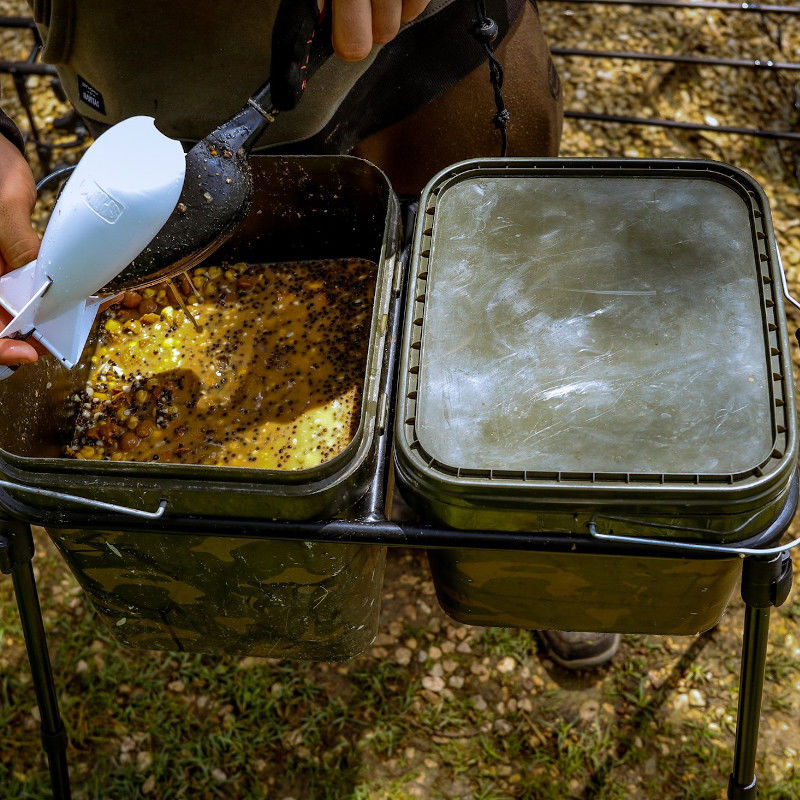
(593, 324)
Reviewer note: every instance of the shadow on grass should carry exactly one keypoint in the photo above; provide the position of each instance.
(634, 726)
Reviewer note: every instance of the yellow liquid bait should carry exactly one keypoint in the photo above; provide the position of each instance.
(272, 379)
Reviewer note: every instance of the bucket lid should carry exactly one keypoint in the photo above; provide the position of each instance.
(597, 321)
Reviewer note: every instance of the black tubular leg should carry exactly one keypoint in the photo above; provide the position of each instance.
(16, 554)
(765, 583)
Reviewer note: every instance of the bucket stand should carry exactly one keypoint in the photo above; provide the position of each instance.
(765, 583)
(766, 577)
(16, 555)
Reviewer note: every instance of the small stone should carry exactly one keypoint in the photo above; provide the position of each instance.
(589, 710)
(463, 647)
(503, 727)
(696, 699)
(149, 785)
(81, 667)
(433, 683)
(434, 653)
(143, 760)
(479, 703)
(175, 686)
(402, 656)
(456, 681)
(218, 775)
(506, 666)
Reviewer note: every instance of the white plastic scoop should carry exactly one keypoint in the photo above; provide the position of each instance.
(119, 196)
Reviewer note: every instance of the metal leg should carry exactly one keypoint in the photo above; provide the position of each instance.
(765, 583)
(16, 554)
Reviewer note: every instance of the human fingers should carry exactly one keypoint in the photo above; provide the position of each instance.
(385, 20)
(14, 351)
(38, 347)
(352, 29)
(412, 9)
(19, 243)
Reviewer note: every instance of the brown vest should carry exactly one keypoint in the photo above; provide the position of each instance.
(189, 63)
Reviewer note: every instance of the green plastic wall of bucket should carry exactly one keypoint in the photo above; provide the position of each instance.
(594, 340)
(228, 595)
(614, 594)
(305, 207)
(461, 399)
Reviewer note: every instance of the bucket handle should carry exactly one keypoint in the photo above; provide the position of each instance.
(666, 544)
(85, 501)
(786, 293)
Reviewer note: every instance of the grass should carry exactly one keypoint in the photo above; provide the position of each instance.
(368, 730)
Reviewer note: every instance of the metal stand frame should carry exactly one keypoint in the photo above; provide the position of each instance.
(16, 556)
(766, 582)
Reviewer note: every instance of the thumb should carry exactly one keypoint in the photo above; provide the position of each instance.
(13, 351)
(19, 243)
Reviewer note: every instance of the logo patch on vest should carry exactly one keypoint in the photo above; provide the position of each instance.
(91, 96)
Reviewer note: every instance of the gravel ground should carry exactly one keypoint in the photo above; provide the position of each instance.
(437, 709)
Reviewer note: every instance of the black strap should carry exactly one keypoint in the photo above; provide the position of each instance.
(301, 43)
(485, 31)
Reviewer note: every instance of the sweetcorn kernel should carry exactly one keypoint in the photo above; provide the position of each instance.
(214, 273)
(112, 326)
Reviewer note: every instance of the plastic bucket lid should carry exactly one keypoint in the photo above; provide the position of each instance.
(605, 326)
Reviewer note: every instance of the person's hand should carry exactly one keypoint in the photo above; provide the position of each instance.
(19, 243)
(358, 24)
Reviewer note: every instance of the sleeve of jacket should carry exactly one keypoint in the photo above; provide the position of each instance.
(10, 131)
